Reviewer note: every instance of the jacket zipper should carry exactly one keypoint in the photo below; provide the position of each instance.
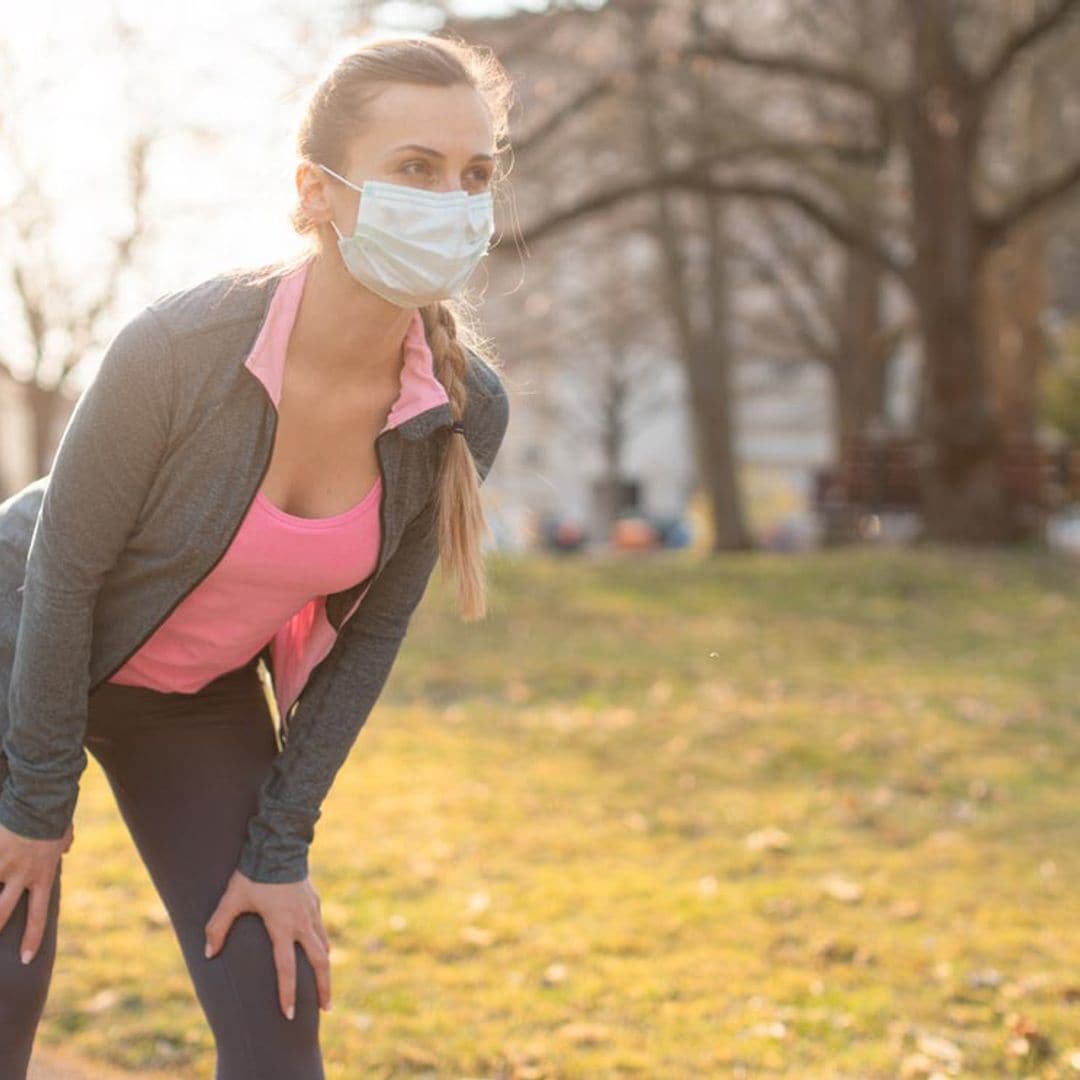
(356, 607)
(371, 581)
(183, 596)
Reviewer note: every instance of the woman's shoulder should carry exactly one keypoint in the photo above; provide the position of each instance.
(487, 391)
(218, 302)
(484, 377)
(487, 410)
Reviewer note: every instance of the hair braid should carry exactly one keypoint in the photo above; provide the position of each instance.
(462, 524)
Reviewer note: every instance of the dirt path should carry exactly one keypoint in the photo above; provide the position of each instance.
(50, 1065)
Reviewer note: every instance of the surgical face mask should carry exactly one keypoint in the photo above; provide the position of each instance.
(413, 247)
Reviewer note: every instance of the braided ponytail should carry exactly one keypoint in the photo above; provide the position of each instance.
(462, 525)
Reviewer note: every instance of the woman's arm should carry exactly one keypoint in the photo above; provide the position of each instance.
(110, 450)
(336, 704)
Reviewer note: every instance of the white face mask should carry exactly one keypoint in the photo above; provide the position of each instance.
(413, 247)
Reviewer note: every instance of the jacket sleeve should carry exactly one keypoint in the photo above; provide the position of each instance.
(107, 456)
(336, 704)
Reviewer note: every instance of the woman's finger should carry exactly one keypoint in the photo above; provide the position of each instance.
(320, 927)
(324, 937)
(36, 919)
(285, 963)
(9, 896)
(220, 922)
(318, 953)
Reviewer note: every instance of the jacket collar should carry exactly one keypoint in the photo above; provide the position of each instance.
(422, 403)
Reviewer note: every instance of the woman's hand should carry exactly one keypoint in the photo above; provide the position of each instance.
(291, 913)
(31, 864)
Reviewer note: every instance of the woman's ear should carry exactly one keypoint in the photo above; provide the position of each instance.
(313, 190)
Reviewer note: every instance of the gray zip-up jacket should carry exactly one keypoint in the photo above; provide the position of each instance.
(157, 467)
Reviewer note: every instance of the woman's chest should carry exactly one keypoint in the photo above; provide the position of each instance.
(323, 461)
(223, 453)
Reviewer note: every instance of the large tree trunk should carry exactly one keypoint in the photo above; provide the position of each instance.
(963, 494)
(858, 376)
(862, 355)
(707, 361)
(703, 344)
(1015, 287)
(711, 410)
(715, 408)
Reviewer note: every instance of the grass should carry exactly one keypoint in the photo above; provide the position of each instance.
(802, 816)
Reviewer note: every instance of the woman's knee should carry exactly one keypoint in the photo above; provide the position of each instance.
(238, 988)
(24, 987)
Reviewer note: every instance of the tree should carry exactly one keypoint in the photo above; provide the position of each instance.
(930, 94)
(59, 323)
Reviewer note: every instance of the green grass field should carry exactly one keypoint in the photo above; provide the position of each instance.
(801, 816)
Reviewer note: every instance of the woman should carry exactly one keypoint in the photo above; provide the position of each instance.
(267, 466)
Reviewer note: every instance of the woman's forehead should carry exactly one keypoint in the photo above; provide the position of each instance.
(450, 119)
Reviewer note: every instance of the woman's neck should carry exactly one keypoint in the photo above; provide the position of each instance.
(343, 328)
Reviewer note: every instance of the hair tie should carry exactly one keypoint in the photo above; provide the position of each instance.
(458, 426)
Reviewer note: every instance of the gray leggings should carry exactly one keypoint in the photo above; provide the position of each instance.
(185, 770)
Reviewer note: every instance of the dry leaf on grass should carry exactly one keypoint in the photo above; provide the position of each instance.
(581, 1033)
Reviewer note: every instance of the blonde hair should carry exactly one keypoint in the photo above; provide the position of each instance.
(334, 113)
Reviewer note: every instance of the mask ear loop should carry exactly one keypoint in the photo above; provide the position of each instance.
(347, 183)
(325, 168)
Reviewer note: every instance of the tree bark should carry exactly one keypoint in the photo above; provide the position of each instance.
(963, 495)
(704, 345)
(859, 372)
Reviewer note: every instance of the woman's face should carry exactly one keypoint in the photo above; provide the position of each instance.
(428, 137)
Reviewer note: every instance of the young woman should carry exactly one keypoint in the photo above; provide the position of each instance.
(268, 465)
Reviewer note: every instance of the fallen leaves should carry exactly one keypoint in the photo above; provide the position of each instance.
(555, 974)
(582, 1033)
(771, 838)
(478, 936)
(841, 888)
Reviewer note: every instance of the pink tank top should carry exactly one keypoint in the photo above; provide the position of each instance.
(276, 563)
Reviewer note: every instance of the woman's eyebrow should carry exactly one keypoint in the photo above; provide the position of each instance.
(437, 153)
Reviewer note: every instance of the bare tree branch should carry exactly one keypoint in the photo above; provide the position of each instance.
(995, 227)
(568, 110)
(805, 269)
(622, 80)
(1023, 39)
(798, 65)
(85, 325)
(695, 178)
(800, 320)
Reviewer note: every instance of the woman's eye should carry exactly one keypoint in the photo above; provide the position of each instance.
(481, 176)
